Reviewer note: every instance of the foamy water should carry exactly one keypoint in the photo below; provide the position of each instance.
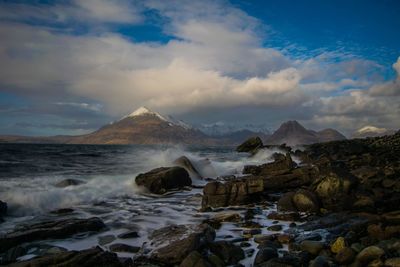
(110, 192)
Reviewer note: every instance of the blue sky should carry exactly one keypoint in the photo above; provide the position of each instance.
(68, 67)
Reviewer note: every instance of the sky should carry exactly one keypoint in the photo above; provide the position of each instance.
(69, 67)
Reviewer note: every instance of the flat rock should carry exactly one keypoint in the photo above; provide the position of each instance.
(69, 182)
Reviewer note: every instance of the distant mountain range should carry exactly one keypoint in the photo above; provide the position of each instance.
(293, 133)
(144, 126)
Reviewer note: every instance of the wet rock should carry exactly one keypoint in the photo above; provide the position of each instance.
(319, 261)
(227, 251)
(185, 163)
(215, 261)
(50, 230)
(345, 256)
(124, 248)
(264, 255)
(305, 201)
(369, 254)
(252, 232)
(338, 245)
(275, 228)
(218, 219)
(291, 178)
(84, 258)
(250, 145)
(285, 203)
(284, 216)
(238, 192)
(3, 210)
(161, 180)
(175, 242)
(333, 190)
(263, 238)
(69, 182)
(312, 247)
(131, 234)
(12, 254)
(393, 262)
(392, 217)
(284, 238)
(195, 259)
(105, 239)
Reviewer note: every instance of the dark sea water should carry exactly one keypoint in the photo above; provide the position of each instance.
(29, 172)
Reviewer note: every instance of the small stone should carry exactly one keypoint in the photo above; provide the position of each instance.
(106, 239)
(345, 256)
(284, 238)
(312, 247)
(369, 254)
(338, 245)
(252, 231)
(132, 234)
(393, 262)
(264, 255)
(275, 228)
(319, 261)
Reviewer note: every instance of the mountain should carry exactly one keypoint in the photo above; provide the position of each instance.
(371, 131)
(144, 126)
(224, 129)
(293, 133)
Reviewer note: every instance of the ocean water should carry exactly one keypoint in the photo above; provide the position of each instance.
(29, 172)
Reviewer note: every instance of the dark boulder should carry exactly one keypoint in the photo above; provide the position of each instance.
(123, 248)
(265, 254)
(227, 251)
(172, 244)
(285, 203)
(3, 210)
(305, 201)
(69, 182)
(50, 230)
(84, 258)
(250, 145)
(282, 164)
(195, 259)
(161, 180)
(237, 192)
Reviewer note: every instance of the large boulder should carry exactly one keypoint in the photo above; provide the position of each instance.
(305, 201)
(172, 244)
(227, 251)
(250, 145)
(282, 164)
(84, 258)
(50, 230)
(334, 191)
(236, 192)
(185, 163)
(161, 180)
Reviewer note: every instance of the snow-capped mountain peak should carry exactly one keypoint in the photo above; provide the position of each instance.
(145, 111)
(371, 129)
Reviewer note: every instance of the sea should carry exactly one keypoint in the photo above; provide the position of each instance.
(29, 173)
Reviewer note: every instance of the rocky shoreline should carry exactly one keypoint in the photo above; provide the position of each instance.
(331, 204)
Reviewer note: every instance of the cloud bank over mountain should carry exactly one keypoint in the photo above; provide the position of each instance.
(213, 57)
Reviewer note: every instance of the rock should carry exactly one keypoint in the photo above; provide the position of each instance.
(227, 251)
(62, 211)
(3, 208)
(291, 178)
(131, 234)
(238, 192)
(319, 261)
(393, 262)
(161, 180)
(392, 217)
(185, 163)
(333, 191)
(285, 203)
(338, 245)
(84, 258)
(250, 145)
(369, 254)
(12, 254)
(218, 219)
(312, 247)
(275, 228)
(195, 259)
(50, 230)
(172, 244)
(305, 201)
(69, 182)
(281, 165)
(345, 256)
(284, 216)
(264, 255)
(123, 248)
(105, 239)
(284, 238)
